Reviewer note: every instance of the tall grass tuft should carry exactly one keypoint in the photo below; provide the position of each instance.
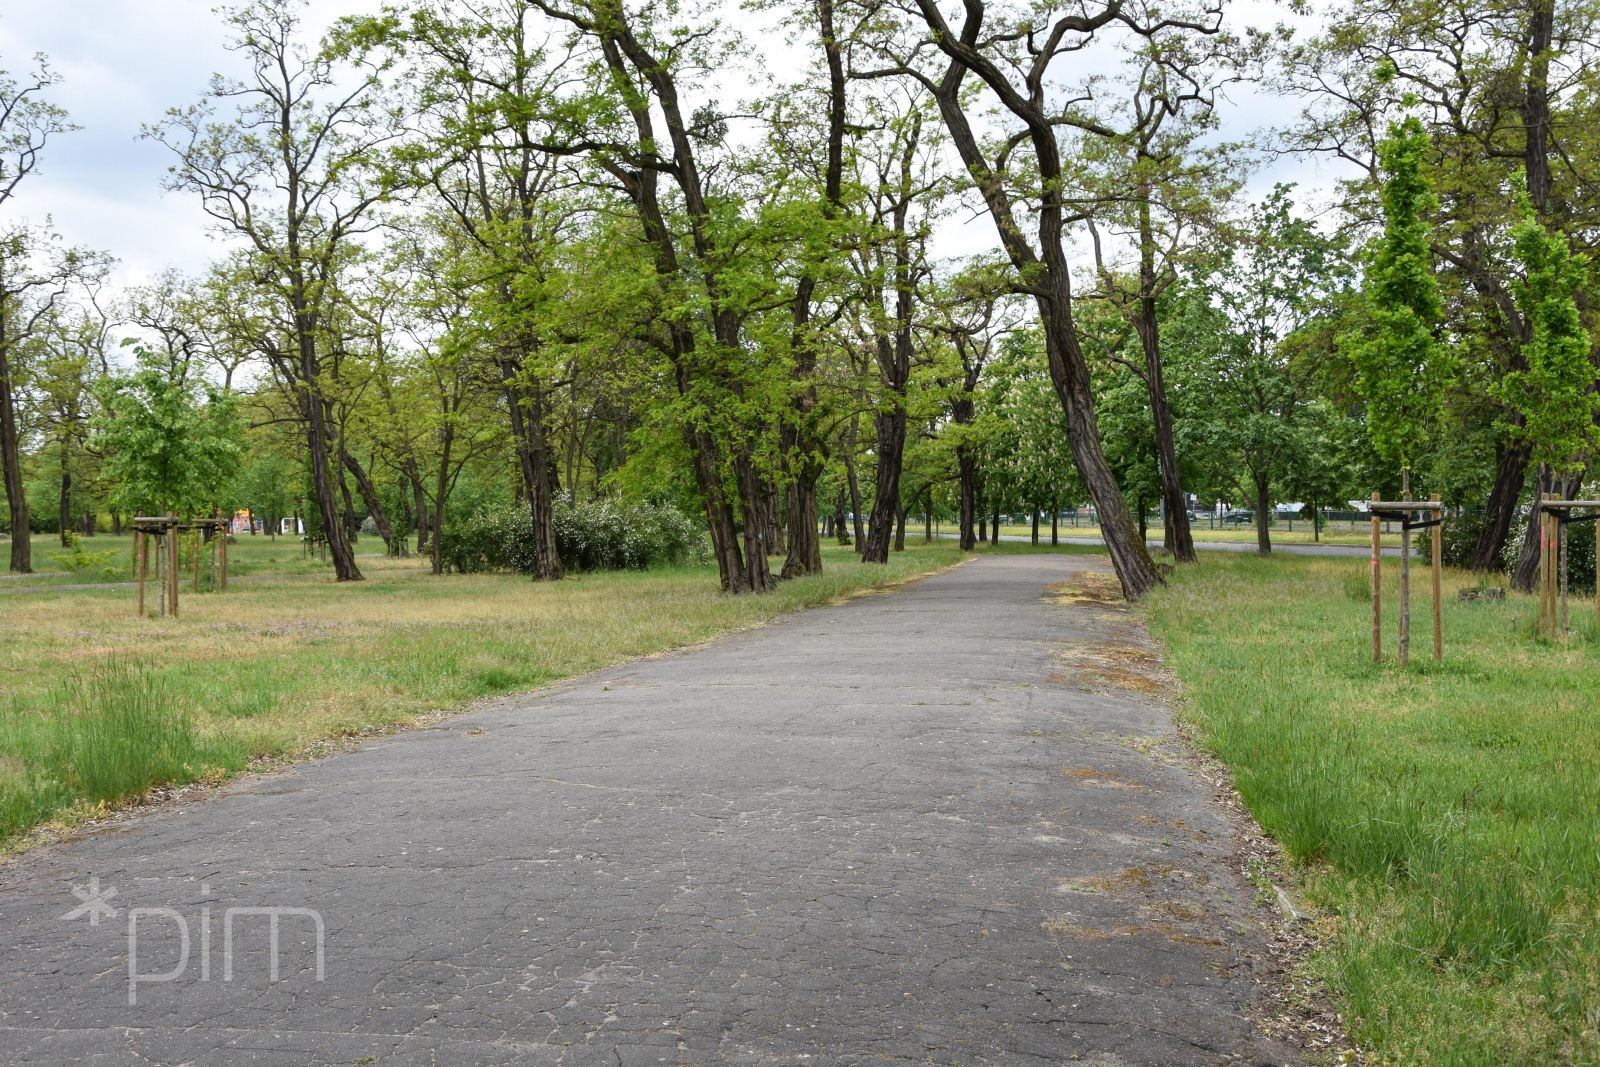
(105, 734)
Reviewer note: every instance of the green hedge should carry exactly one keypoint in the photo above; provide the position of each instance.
(596, 535)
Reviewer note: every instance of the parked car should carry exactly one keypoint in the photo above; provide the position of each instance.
(1239, 517)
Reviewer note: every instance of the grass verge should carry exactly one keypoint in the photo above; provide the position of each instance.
(97, 705)
(1448, 816)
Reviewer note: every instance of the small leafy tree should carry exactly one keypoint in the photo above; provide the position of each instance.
(166, 449)
(1553, 393)
(1402, 369)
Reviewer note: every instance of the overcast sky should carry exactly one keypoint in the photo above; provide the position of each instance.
(126, 61)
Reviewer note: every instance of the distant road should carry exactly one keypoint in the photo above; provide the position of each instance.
(1293, 549)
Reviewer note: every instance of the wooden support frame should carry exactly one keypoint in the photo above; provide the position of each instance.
(1405, 509)
(1555, 515)
(167, 528)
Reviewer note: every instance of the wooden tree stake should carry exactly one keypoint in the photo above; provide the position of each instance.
(1405, 574)
(1377, 587)
(141, 561)
(1438, 587)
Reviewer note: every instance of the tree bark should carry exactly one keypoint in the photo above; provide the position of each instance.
(525, 404)
(900, 529)
(967, 468)
(1527, 568)
(802, 448)
(1048, 269)
(855, 488)
(11, 459)
(375, 508)
(1501, 510)
(1263, 513)
(65, 520)
(1175, 512)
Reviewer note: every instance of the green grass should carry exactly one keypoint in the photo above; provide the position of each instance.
(1447, 817)
(271, 667)
(1342, 533)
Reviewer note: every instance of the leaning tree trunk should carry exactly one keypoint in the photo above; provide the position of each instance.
(1070, 374)
(1501, 510)
(375, 508)
(344, 559)
(1179, 539)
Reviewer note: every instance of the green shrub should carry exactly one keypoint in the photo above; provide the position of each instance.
(596, 535)
(104, 565)
(1460, 542)
(1580, 550)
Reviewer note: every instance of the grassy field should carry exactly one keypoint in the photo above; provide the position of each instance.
(1447, 817)
(1339, 534)
(98, 705)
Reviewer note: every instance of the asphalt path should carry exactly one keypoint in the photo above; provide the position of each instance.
(949, 823)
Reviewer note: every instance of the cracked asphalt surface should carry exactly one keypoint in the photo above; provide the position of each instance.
(946, 824)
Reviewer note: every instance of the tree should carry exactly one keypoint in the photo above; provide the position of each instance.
(166, 449)
(295, 171)
(1402, 370)
(1011, 56)
(1553, 393)
(1158, 188)
(35, 275)
(1249, 392)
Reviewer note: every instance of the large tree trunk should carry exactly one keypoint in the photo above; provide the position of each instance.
(375, 508)
(1527, 569)
(967, 468)
(1175, 511)
(839, 531)
(1049, 270)
(526, 407)
(65, 519)
(799, 443)
(1501, 510)
(11, 459)
(891, 427)
(344, 559)
(805, 544)
(1263, 514)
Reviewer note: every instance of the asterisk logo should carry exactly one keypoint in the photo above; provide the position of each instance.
(96, 902)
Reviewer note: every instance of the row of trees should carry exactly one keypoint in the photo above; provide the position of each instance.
(521, 250)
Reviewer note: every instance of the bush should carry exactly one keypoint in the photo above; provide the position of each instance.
(104, 565)
(1580, 550)
(1460, 542)
(596, 535)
